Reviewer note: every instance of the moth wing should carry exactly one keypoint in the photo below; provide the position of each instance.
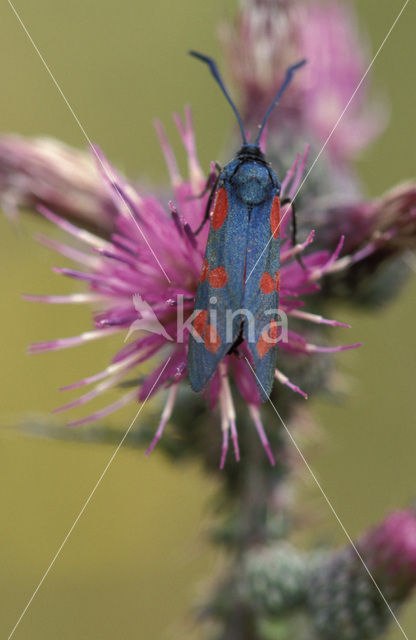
(215, 325)
(261, 292)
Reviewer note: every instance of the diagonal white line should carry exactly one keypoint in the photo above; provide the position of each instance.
(330, 505)
(334, 127)
(45, 64)
(86, 503)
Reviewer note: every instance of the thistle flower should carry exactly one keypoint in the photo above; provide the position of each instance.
(150, 266)
(46, 171)
(268, 35)
(344, 601)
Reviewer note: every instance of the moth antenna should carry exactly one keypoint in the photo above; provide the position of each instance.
(288, 78)
(214, 70)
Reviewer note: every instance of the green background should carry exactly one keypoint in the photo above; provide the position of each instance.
(138, 557)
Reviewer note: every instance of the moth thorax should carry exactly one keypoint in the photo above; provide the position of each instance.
(252, 182)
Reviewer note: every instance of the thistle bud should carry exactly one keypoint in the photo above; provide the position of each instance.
(43, 171)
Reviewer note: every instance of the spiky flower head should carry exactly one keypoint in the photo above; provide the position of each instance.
(142, 282)
(350, 601)
(273, 579)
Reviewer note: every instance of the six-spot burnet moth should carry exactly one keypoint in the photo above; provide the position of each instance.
(238, 293)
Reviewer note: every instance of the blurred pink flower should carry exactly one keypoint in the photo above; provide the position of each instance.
(269, 35)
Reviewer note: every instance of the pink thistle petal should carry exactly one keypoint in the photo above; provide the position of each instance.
(118, 373)
(111, 408)
(300, 169)
(170, 369)
(125, 198)
(285, 380)
(347, 261)
(361, 254)
(107, 170)
(109, 371)
(116, 287)
(289, 175)
(224, 448)
(126, 244)
(316, 319)
(92, 262)
(297, 249)
(119, 321)
(65, 343)
(73, 298)
(286, 213)
(188, 138)
(255, 414)
(292, 180)
(227, 413)
(297, 182)
(167, 150)
(298, 344)
(243, 377)
(81, 234)
(227, 409)
(95, 278)
(131, 208)
(166, 414)
(320, 271)
(144, 347)
(234, 437)
(336, 253)
(313, 348)
(87, 397)
(123, 258)
(79, 275)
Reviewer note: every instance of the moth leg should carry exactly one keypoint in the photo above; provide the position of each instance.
(294, 228)
(207, 184)
(209, 205)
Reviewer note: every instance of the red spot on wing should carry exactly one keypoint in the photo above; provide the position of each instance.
(200, 322)
(263, 346)
(267, 283)
(218, 278)
(278, 281)
(204, 270)
(268, 339)
(220, 209)
(273, 332)
(275, 217)
(212, 339)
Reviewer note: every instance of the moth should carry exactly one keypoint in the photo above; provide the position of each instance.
(238, 294)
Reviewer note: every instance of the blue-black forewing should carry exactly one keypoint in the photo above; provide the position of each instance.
(261, 293)
(216, 298)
